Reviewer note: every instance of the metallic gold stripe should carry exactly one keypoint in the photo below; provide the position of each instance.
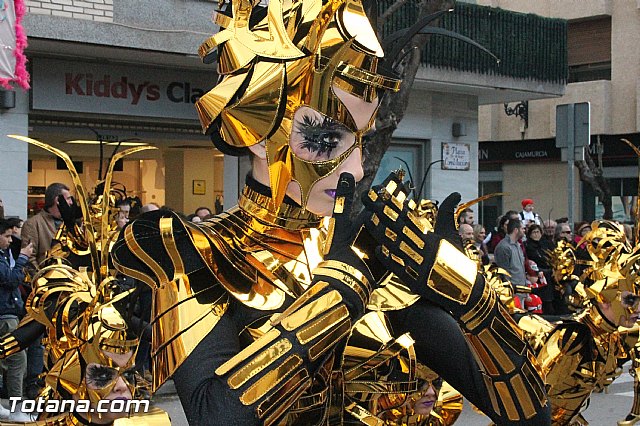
(507, 401)
(397, 259)
(263, 341)
(291, 386)
(338, 207)
(166, 230)
(406, 249)
(145, 258)
(535, 383)
(387, 352)
(284, 405)
(496, 350)
(270, 380)
(479, 306)
(453, 274)
(328, 241)
(381, 386)
(347, 280)
(390, 213)
(317, 288)
(413, 237)
(134, 273)
(391, 187)
(341, 266)
(484, 357)
(522, 394)
(488, 383)
(363, 415)
(375, 219)
(484, 310)
(396, 201)
(508, 332)
(259, 363)
(311, 310)
(329, 340)
(364, 76)
(322, 324)
(372, 195)
(390, 234)
(222, 20)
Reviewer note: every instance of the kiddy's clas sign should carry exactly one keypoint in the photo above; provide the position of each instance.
(116, 89)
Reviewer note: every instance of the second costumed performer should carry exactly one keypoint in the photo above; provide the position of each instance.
(256, 310)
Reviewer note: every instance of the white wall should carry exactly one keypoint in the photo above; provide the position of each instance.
(13, 167)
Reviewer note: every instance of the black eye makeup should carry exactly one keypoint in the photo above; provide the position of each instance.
(630, 300)
(320, 138)
(100, 376)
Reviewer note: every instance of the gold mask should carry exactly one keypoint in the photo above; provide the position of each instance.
(296, 65)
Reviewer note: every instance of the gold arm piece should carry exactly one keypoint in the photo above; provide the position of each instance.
(453, 274)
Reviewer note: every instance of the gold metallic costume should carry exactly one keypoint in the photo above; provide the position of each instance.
(584, 353)
(78, 309)
(259, 314)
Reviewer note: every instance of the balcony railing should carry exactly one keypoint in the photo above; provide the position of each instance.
(529, 46)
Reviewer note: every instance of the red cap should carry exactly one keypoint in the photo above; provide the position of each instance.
(531, 268)
(526, 202)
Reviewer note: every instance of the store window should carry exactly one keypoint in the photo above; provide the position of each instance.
(589, 50)
(489, 210)
(405, 154)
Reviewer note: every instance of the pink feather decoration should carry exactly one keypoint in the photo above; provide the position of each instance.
(21, 76)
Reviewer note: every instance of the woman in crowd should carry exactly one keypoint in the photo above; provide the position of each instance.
(479, 235)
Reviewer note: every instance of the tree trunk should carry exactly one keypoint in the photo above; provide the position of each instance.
(593, 175)
(394, 105)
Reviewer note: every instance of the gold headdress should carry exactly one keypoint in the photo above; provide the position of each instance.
(304, 53)
(78, 306)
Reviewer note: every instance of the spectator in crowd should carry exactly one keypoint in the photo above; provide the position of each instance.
(41, 228)
(582, 229)
(39, 231)
(466, 216)
(508, 253)
(11, 306)
(562, 232)
(549, 230)
(501, 230)
(15, 224)
(479, 235)
(466, 232)
(510, 257)
(527, 215)
(124, 207)
(537, 249)
(149, 208)
(1, 209)
(203, 212)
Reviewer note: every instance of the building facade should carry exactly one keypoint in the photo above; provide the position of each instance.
(120, 73)
(603, 61)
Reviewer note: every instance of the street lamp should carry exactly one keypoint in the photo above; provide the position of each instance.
(520, 110)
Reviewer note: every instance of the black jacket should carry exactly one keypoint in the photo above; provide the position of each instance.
(10, 278)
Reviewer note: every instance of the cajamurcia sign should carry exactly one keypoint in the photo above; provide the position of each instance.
(123, 88)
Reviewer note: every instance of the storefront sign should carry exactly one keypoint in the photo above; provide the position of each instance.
(117, 89)
(456, 156)
(529, 150)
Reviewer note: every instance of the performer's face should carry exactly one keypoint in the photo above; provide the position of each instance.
(426, 397)
(99, 377)
(624, 310)
(314, 138)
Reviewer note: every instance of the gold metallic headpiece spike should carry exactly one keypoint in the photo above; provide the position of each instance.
(297, 56)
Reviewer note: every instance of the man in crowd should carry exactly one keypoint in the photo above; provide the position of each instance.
(39, 231)
(466, 216)
(563, 232)
(11, 305)
(549, 230)
(466, 232)
(509, 255)
(203, 212)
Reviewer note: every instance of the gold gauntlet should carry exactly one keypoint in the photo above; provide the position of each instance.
(276, 369)
(511, 373)
(453, 274)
